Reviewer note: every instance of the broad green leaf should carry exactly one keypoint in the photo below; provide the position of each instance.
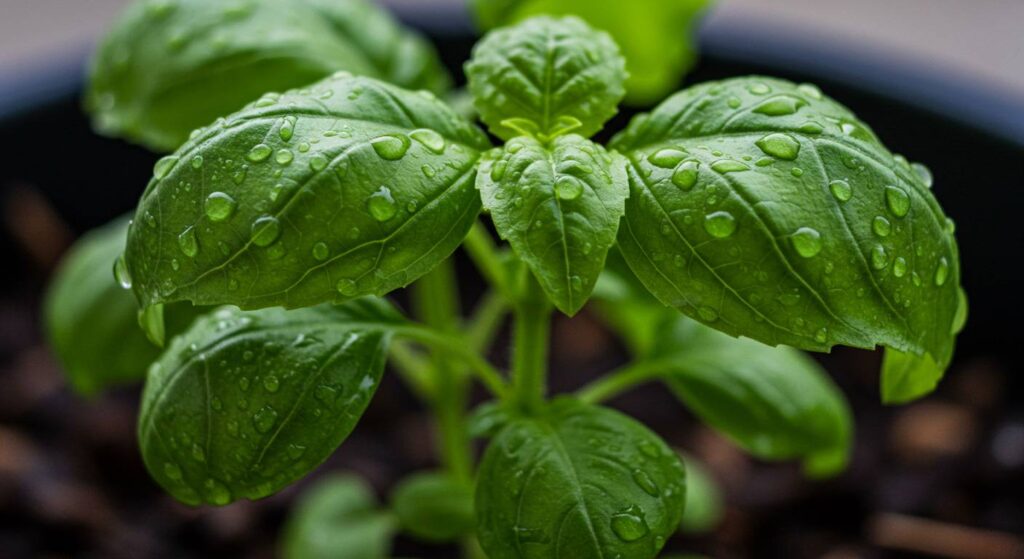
(578, 481)
(657, 37)
(546, 77)
(704, 507)
(559, 207)
(243, 404)
(349, 188)
(767, 210)
(92, 321)
(776, 403)
(170, 66)
(434, 507)
(338, 515)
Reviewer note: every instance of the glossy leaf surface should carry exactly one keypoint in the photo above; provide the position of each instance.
(545, 76)
(559, 207)
(349, 188)
(434, 507)
(338, 514)
(578, 481)
(244, 404)
(170, 66)
(92, 322)
(765, 209)
(657, 37)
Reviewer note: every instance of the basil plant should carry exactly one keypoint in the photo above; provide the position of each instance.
(735, 224)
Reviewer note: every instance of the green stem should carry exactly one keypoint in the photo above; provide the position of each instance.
(413, 369)
(531, 339)
(481, 250)
(483, 326)
(618, 381)
(485, 372)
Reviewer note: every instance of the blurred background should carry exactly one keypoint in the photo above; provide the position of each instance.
(940, 80)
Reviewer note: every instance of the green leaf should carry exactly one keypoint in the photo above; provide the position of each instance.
(92, 321)
(559, 207)
(338, 514)
(907, 377)
(578, 481)
(546, 77)
(776, 403)
(657, 37)
(434, 507)
(767, 210)
(704, 507)
(244, 404)
(349, 188)
(168, 67)
(629, 309)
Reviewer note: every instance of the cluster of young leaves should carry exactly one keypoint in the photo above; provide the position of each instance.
(170, 66)
(755, 206)
(658, 37)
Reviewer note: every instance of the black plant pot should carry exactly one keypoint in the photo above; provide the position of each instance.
(972, 140)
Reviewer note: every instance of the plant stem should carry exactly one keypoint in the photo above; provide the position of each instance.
(485, 372)
(618, 381)
(483, 326)
(531, 339)
(481, 250)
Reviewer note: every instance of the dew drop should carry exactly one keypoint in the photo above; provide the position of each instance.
(780, 106)
(429, 139)
(666, 158)
(759, 88)
(217, 493)
(265, 418)
(924, 173)
(219, 206)
(272, 384)
(899, 267)
(629, 525)
(318, 163)
(644, 482)
(841, 190)
(807, 242)
(942, 272)
(685, 175)
(259, 152)
(720, 224)
(187, 242)
(284, 157)
(821, 336)
(163, 167)
(381, 205)
(321, 251)
(498, 170)
(729, 166)
(879, 258)
(172, 471)
(346, 287)
(121, 273)
(897, 200)
(265, 230)
(734, 102)
(779, 145)
(568, 188)
(197, 162)
(390, 147)
(707, 314)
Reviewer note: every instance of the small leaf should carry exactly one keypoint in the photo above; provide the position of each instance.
(170, 67)
(704, 507)
(434, 507)
(768, 226)
(657, 37)
(907, 377)
(92, 321)
(332, 197)
(559, 207)
(578, 481)
(243, 404)
(550, 75)
(338, 513)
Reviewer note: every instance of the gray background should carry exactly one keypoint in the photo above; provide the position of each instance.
(980, 40)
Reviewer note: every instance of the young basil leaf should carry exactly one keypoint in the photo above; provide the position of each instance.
(776, 403)
(338, 514)
(559, 207)
(704, 507)
(578, 481)
(546, 77)
(657, 37)
(169, 67)
(92, 322)
(767, 210)
(434, 507)
(349, 188)
(243, 404)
